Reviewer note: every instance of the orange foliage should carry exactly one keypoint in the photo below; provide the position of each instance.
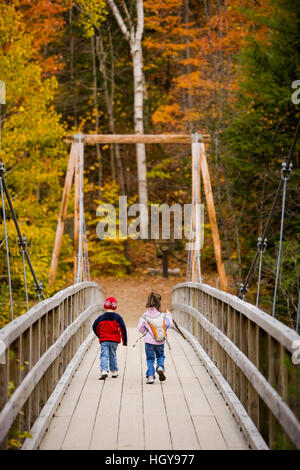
(44, 20)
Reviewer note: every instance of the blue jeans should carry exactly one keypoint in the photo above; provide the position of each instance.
(154, 351)
(108, 355)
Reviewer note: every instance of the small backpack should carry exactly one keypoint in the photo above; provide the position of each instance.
(158, 326)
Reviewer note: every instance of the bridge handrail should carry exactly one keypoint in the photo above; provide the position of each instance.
(282, 333)
(252, 352)
(10, 332)
(36, 350)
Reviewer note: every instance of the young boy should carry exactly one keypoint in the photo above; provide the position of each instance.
(110, 329)
(153, 325)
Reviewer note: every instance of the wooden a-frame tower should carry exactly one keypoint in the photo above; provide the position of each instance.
(199, 166)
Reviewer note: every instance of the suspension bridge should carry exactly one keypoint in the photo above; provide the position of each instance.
(232, 369)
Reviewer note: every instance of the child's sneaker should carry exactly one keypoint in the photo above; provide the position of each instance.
(114, 374)
(150, 380)
(161, 374)
(104, 374)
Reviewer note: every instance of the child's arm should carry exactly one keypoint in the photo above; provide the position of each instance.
(142, 326)
(95, 325)
(169, 318)
(123, 330)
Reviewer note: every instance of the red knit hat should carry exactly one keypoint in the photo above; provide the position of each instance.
(110, 303)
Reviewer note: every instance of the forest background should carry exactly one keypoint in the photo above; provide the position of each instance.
(223, 67)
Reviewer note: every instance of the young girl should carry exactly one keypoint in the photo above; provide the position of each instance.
(153, 325)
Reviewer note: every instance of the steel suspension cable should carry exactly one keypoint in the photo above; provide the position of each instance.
(245, 285)
(38, 285)
(22, 244)
(7, 250)
(285, 174)
(262, 245)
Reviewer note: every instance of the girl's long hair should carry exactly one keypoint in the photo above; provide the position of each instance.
(154, 300)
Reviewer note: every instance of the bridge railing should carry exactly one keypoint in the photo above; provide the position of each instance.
(253, 352)
(36, 349)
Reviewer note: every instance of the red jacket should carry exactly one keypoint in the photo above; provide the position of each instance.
(110, 326)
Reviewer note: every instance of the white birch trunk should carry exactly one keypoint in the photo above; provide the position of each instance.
(137, 58)
(134, 37)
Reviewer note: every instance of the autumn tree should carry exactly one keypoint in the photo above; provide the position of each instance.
(34, 156)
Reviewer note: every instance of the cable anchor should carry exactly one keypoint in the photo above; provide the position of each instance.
(286, 170)
(2, 169)
(22, 243)
(243, 290)
(39, 290)
(262, 244)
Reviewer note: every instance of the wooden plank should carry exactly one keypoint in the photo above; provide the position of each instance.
(196, 198)
(84, 403)
(76, 210)
(80, 429)
(62, 214)
(212, 218)
(55, 436)
(209, 434)
(253, 397)
(156, 426)
(131, 427)
(105, 431)
(181, 425)
(93, 139)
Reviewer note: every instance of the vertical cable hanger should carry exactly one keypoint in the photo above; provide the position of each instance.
(38, 285)
(22, 245)
(7, 249)
(262, 246)
(285, 175)
(245, 285)
(3, 101)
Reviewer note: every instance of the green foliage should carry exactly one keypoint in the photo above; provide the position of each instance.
(107, 256)
(260, 130)
(289, 280)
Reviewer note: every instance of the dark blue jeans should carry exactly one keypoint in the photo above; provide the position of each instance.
(154, 351)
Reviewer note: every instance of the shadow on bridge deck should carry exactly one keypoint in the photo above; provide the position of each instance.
(184, 412)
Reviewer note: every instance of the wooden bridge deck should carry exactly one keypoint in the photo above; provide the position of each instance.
(184, 412)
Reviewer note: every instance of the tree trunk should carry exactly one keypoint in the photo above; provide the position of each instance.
(71, 37)
(95, 100)
(109, 101)
(137, 58)
(133, 35)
